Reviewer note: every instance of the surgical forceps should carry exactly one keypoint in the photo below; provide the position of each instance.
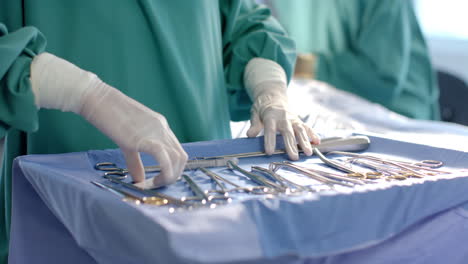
(256, 178)
(389, 172)
(341, 167)
(283, 181)
(200, 194)
(410, 169)
(214, 177)
(260, 190)
(275, 166)
(426, 164)
(109, 189)
(196, 189)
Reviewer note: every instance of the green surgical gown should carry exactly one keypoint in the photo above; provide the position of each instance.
(372, 48)
(183, 59)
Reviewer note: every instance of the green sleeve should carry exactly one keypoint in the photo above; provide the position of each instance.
(422, 79)
(250, 31)
(378, 65)
(17, 108)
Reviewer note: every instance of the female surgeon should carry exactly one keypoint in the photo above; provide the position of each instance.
(372, 48)
(169, 72)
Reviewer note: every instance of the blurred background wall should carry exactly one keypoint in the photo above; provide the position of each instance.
(445, 25)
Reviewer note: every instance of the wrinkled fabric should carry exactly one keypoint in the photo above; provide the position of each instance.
(386, 222)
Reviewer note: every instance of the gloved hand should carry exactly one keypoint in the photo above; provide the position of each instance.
(58, 84)
(265, 81)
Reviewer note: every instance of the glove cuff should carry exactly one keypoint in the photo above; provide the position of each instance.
(59, 84)
(263, 75)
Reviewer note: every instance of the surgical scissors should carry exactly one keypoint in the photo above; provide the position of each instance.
(152, 197)
(146, 195)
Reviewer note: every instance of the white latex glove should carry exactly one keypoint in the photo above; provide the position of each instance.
(58, 84)
(266, 83)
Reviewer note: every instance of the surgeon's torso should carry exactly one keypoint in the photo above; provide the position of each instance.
(164, 54)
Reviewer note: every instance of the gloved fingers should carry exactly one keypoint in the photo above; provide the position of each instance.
(289, 139)
(179, 160)
(176, 146)
(269, 135)
(256, 125)
(314, 138)
(166, 176)
(302, 137)
(177, 154)
(172, 143)
(134, 165)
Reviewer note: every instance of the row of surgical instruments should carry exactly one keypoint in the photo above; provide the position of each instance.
(352, 143)
(336, 169)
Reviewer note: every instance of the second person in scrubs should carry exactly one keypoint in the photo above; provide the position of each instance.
(372, 48)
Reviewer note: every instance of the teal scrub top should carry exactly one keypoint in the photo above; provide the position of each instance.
(183, 59)
(372, 48)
